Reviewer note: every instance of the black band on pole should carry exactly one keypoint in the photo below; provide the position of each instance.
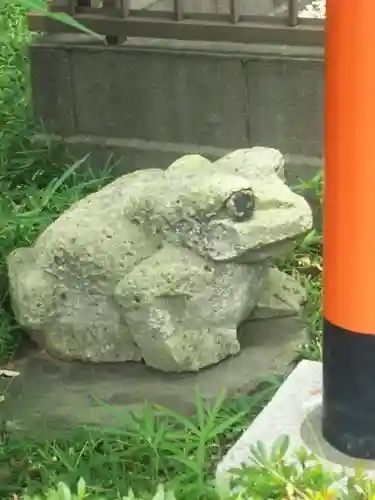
(349, 391)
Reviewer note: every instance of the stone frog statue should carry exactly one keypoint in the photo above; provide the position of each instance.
(163, 266)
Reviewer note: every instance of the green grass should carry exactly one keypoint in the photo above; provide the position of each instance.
(159, 446)
(29, 174)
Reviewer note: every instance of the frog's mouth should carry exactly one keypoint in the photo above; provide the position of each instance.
(271, 251)
(222, 241)
(269, 234)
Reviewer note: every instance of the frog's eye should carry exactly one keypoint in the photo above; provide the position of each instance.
(240, 205)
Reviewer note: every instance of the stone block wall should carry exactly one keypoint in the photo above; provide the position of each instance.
(149, 101)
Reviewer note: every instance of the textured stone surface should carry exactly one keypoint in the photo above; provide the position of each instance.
(163, 265)
(222, 95)
(49, 393)
(155, 107)
(281, 294)
(280, 120)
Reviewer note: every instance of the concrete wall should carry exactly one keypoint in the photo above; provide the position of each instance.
(149, 101)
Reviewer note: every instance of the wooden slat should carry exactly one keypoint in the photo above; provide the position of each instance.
(178, 10)
(120, 7)
(234, 11)
(72, 7)
(243, 32)
(202, 17)
(124, 5)
(293, 7)
(66, 6)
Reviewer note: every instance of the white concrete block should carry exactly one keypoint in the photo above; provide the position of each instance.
(295, 411)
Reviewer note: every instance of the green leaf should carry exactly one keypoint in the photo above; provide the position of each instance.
(200, 410)
(54, 185)
(260, 454)
(40, 7)
(64, 492)
(280, 448)
(185, 422)
(226, 424)
(81, 488)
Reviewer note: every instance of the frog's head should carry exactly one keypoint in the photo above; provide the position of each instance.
(237, 208)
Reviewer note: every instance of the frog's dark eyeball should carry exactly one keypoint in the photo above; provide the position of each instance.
(241, 205)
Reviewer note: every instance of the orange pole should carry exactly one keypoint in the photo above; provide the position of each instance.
(349, 228)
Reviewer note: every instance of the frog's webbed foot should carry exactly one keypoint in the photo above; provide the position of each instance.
(282, 295)
(171, 303)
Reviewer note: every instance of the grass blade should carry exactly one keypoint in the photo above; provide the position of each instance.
(40, 7)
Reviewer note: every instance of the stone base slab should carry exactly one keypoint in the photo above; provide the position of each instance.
(50, 394)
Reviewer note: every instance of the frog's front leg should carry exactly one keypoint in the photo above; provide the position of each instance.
(182, 311)
(282, 295)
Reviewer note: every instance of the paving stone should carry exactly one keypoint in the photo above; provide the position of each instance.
(50, 394)
(295, 411)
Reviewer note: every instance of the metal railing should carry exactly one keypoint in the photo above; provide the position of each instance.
(117, 20)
